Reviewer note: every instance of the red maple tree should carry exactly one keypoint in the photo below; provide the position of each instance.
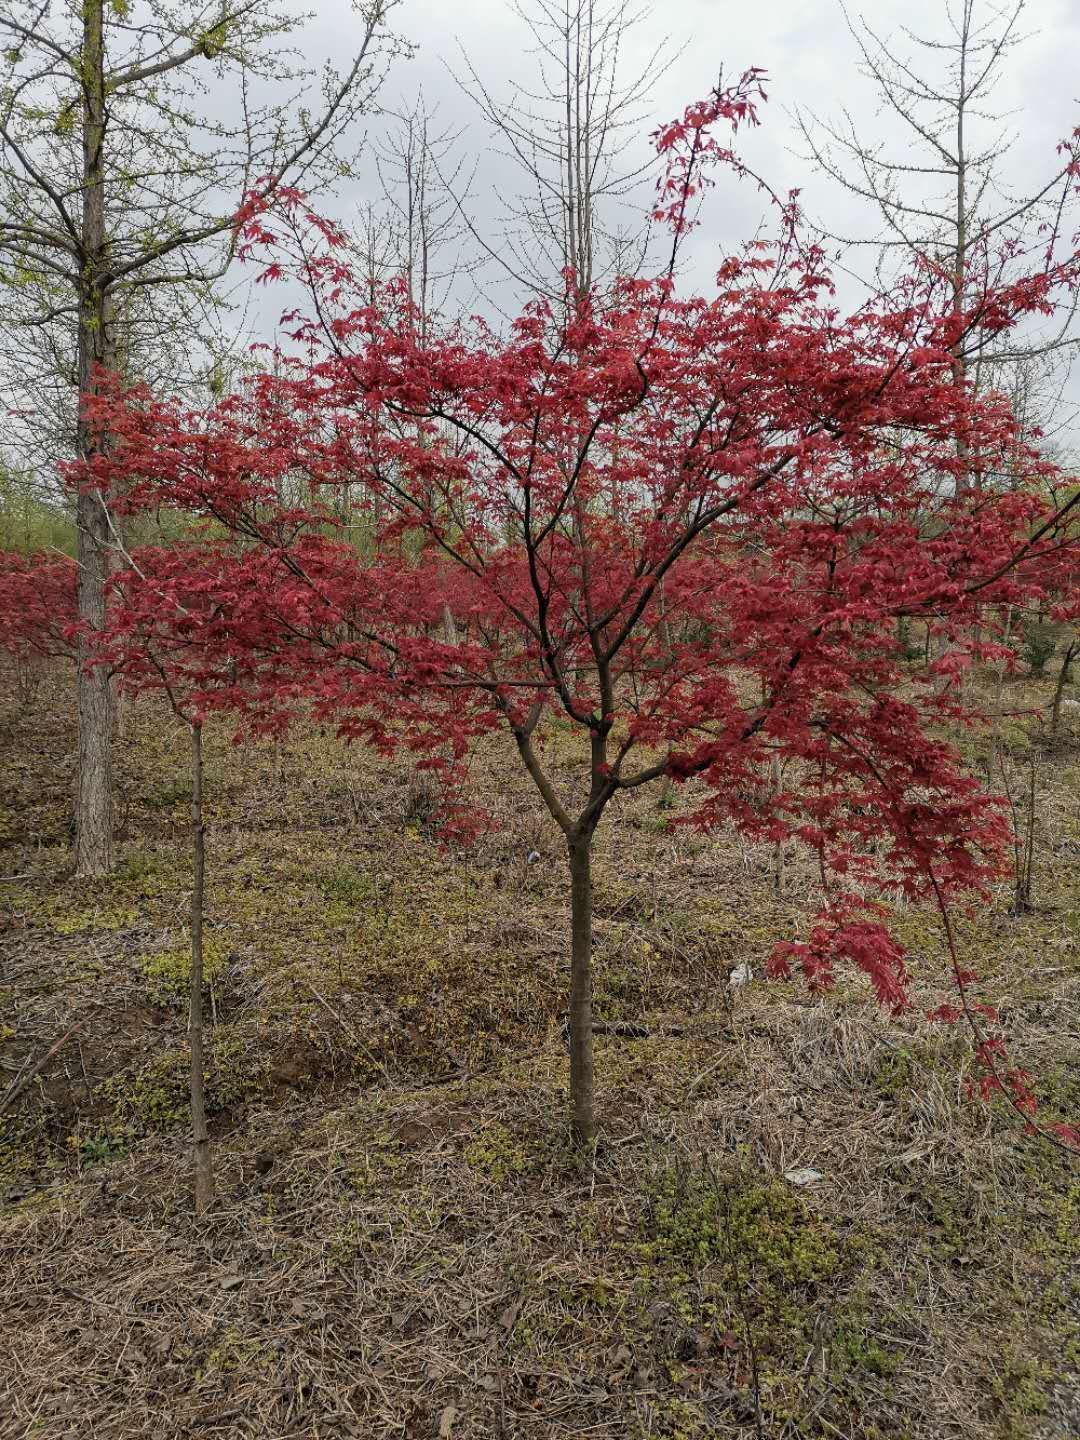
(686, 527)
(37, 604)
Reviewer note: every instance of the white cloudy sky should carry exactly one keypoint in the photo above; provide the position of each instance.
(805, 47)
(803, 44)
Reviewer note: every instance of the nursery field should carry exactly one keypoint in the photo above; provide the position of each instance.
(796, 1223)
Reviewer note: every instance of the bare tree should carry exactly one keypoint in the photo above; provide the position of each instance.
(424, 233)
(939, 192)
(568, 133)
(119, 181)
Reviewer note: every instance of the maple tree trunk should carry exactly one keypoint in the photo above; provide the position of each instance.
(582, 1083)
(201, 1162)
(93, 803)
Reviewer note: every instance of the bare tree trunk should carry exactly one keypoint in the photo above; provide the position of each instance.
(450, 633)
(201, 1160)
(1029, 853)
(999, 701)
(941, 649)
(666, 798)
(1059, 689)
(93, 805)
(582, 1082)
(778, 851)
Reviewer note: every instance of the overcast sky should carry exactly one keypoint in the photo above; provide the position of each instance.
(804, 45)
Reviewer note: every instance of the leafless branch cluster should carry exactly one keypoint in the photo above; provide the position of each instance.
(939, 189)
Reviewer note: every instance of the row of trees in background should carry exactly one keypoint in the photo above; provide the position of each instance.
(691, 528)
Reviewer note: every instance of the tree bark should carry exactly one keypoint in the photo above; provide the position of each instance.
(778, 849)
(1059, 689)
(201, 1160)
(582, 1083)
(666, 798)
(450, 633)
(93, 804)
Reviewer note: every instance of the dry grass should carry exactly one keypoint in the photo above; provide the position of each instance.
(403, 1242)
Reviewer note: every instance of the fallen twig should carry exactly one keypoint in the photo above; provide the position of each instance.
(346, 1027)
(18, 1085)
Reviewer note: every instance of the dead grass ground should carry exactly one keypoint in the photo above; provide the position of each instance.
(404, 1243)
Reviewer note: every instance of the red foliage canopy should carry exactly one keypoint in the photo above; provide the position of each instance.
(688, 525)
(37, 604)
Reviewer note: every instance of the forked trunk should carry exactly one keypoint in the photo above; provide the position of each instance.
(204, 1175)
(582, 1085)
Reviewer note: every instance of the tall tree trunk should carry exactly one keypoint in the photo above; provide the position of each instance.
(666, 798)
(201, 1161)
(776, 782)
(582, 1084)
(93, 805)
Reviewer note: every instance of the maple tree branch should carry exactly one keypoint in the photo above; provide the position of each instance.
(541, 780)
(706, 519)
